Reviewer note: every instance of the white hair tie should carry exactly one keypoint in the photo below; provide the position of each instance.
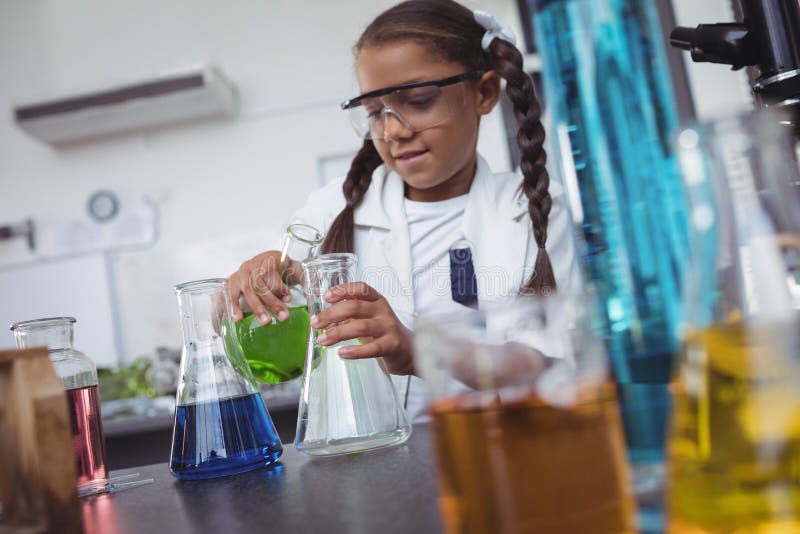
(494, 28)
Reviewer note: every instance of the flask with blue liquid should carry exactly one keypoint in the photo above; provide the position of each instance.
(609, 91)
(221, 425)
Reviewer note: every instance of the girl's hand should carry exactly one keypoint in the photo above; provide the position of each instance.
(259, 281)
(359, 311)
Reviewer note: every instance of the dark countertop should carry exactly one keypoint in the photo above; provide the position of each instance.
(386, 491)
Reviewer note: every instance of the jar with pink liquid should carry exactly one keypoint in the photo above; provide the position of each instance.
(79, 375)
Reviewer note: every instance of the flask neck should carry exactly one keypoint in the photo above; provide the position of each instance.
(204, 309)
(325, 272)
(301, 242)
(55, 334)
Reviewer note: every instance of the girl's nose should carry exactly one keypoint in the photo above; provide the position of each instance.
(394, 127)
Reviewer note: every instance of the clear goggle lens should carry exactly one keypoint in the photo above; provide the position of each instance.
(414, 109)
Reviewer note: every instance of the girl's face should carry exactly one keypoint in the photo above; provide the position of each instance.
(438, 162)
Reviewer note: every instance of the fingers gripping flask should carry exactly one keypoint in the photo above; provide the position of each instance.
(221, 425)
(345, 405)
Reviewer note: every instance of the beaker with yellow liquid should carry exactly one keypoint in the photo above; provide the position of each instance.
(734, 445)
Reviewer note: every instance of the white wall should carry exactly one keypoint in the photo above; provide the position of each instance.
(223, 188)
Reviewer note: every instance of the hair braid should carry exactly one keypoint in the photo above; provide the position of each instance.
(340, 234)
(507, 61)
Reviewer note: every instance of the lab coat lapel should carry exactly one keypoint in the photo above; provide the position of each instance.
(494, 225)
(382, 208)
(396, 244)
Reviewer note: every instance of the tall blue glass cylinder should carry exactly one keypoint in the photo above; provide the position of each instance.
(608, 88)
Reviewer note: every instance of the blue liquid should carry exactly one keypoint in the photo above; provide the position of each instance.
(225, 437)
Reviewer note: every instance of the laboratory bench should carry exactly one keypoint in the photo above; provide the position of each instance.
(386, 491)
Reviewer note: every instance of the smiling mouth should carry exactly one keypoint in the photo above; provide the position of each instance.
(410, 154)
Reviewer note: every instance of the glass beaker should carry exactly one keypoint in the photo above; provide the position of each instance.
(79, 376)
(276, 351)
(523, 445)
(221, 425)
(735, 433)
(345, 405)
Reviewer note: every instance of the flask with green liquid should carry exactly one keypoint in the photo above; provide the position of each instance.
(276, 351)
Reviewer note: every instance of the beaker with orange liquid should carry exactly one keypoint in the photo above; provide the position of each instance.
(528, 436)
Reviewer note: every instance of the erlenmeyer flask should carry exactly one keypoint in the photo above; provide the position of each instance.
(735, 433)
(345, 405)
(276, 351)
(221, 424)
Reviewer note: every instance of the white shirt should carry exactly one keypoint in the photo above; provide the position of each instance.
(434, 228)
(494, 222)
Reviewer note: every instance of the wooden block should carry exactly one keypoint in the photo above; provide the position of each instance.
(37, 476)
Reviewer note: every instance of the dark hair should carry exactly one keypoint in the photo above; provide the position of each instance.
(451, 32)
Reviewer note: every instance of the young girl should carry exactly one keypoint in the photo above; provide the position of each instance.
(432, 227)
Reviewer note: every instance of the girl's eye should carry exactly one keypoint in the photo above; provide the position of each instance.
(421, 98)
(373, 112)
(420, 103)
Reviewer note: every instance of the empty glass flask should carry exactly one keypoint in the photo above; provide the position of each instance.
(221, 425)
(345, 405)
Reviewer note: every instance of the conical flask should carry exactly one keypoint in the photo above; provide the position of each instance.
(221, 425)
(345, 405)
(277, 350)
(734, 439)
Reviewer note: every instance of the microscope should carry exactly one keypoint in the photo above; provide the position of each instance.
(767, 40)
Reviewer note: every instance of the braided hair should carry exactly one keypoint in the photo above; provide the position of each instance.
(451, 33)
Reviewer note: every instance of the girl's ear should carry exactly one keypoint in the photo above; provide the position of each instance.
(488, 92)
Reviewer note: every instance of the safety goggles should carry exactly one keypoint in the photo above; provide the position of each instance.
(416, 106)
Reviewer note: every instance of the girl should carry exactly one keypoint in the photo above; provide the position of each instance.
(432, 227)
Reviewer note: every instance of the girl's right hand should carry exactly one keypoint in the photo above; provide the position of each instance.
(259, 281)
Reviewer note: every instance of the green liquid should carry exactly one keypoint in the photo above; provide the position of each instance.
(276, 351)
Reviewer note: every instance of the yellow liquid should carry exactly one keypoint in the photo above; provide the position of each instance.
(530, 467)
(734, 450)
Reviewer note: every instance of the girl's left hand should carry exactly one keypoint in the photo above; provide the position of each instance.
(359, 311)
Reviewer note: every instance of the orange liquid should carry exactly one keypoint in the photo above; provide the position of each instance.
(527, 466)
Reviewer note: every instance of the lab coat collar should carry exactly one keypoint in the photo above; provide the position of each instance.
(488, 189)
(383, 202)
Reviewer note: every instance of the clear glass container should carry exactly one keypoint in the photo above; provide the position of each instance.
(79, 376)
(276, 351)
(345, 405)
(523, 444)
(221, 425)
(735, 432)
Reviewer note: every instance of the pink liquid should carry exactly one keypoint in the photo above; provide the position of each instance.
(87, 438)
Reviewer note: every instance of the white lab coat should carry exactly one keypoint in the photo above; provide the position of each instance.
(495, 224)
